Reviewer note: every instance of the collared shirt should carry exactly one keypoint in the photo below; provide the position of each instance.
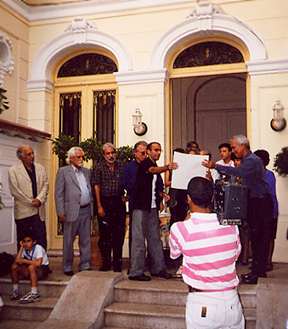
(85, 192)
(271, 181)
(252, 172)
(110, 181)
(209, 251)
(130, 175)
(215, 174)
(32, 175)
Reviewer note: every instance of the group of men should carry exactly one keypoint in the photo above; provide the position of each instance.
(209, 250)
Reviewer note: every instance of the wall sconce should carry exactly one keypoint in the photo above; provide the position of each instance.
(140, 128)
(278, 123)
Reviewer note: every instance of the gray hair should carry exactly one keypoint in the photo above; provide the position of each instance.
(242, 140)
(143, 143)
(71, 152)
(108, 145)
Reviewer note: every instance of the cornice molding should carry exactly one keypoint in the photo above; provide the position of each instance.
(141, 77)
(37, 13)
(267, 67)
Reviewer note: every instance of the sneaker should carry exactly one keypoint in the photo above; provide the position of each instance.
(15, 295)
(29, 298)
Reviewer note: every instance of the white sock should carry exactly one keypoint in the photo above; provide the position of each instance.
(34, 290)
(15, 287)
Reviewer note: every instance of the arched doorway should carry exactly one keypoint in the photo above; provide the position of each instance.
(85, 104)
(208, 95)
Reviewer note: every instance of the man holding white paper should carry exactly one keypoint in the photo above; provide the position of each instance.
(189, 166)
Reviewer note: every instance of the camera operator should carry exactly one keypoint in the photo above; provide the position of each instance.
(260, 206)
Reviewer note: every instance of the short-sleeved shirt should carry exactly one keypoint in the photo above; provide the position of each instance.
(209, 251)
(111, 182)
(143, 187)
(35, 253)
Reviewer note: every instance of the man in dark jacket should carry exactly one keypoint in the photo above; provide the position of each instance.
(145, 222)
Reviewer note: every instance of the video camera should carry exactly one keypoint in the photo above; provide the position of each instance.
(230, 202)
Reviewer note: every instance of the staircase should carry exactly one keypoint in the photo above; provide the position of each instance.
(160, 304)
(16, 316)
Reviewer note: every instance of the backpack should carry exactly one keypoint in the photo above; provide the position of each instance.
(6, 261)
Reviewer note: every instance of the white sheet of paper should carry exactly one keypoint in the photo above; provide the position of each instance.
(189, 166)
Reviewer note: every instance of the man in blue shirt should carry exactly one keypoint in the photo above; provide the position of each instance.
(130, 175)
(260, 204)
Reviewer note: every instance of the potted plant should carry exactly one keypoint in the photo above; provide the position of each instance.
(281, 162)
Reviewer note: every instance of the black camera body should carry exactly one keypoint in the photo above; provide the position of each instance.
(230, 202)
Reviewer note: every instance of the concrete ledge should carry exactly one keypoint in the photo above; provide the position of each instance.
(272, 296)
(81, 305)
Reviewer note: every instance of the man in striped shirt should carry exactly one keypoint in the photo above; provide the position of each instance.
(209, 254)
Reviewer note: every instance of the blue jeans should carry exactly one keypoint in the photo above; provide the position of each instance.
(145, 226)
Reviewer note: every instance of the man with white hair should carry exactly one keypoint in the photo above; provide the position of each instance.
(28, 184)
(260, 204)
(73, 200)
(109, 190)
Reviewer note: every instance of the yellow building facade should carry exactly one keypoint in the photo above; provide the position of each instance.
(144, 39)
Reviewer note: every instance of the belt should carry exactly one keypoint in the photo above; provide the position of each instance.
(191, 289)
(85, 205)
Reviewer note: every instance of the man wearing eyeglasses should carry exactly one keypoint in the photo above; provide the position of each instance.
(130, 175)
(73, 200)
(108, 185)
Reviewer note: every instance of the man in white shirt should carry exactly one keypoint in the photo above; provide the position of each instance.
(225, 152)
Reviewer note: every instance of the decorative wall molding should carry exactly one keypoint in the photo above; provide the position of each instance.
(207, 19)
(78, 35)
(6, 59)
(40, 85)
(267, 67)
(141, 77)
(80, 25)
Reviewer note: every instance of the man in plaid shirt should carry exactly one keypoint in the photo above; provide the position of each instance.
(108, 185)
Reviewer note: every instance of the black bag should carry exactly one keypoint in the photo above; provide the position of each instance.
(6, 261)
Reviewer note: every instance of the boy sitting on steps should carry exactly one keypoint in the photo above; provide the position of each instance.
(31, 263)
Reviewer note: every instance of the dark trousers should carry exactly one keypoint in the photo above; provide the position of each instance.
(260, 222)
(178, 212)
(112, 231)
(31, 225)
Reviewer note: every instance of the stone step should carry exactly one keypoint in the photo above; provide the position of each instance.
(37, 311)
(47, 288)
(148, 316)
(168, 292)
(139, 315)
(18, 324)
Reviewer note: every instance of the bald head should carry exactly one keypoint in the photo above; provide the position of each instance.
(25, 153)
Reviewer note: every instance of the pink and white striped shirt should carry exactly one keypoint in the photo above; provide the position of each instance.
(209, 250)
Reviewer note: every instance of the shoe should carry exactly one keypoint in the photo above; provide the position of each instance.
(15, 295)
(163, 275)
(85, 269)
(249, 278)
(1, 302)
(141, 277)
(69, 273)
(105, 268)
(117, 269)
(269, 267)
(29, 298)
